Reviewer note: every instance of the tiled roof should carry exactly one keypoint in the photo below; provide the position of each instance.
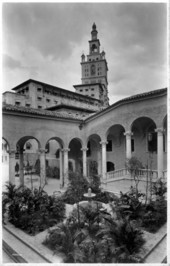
(133, 98)
(42, 112)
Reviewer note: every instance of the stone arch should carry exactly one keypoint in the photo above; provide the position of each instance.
(94, 160)
(7, 142)
(53, 160)
(5, 161)
(21, 142)
(145, 141)
(28, 160)
(115, 147)
(75, 163)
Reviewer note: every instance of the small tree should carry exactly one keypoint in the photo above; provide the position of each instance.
(133, 166)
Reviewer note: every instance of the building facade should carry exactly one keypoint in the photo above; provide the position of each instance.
(76, 132)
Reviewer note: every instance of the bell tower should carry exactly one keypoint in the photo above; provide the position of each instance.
(94, 71)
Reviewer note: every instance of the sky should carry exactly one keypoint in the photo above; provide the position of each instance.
(44, 41)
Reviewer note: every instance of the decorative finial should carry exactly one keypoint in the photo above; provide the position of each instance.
(94, 26)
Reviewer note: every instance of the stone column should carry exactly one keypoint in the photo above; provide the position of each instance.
(21, 166)
(128, 135)
(12, 166)
(160, 151)
(99, 155)
(103, 143)
(42, 167)
(84, 161)
(66, 150)
(61, 169)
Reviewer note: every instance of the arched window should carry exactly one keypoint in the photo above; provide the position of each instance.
(94, 48)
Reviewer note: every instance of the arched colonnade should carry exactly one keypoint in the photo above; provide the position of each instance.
(96, 153)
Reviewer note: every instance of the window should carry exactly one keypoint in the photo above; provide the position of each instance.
(17, 103)
(87, 89)
(92, 95)
(39, 89)
(39, 98)
(92, 89)
(81, 90)
(93, 70)
(27, 105)
(39, 107)
(48, 100)
(109, 145)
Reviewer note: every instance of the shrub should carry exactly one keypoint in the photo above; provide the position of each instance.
(78, 185)
(52, 172)
(155, 216)
(33, 211)
(90, 235)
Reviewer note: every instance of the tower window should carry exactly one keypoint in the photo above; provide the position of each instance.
(94, 48)
(93, 70)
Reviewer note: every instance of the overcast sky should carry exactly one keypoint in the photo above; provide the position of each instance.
(44, 41)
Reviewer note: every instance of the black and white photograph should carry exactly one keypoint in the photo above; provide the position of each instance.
(85, 132)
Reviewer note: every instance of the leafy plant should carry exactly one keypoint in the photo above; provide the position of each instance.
(32, 210)
(78, 185)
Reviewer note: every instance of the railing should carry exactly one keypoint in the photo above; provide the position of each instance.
(148, 172)
(140, 173)
(117, 173)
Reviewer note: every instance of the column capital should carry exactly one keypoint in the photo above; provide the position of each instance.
(66, 150)
(103, 142)
(128, 133)
(84, 149)
(12, 152)
(41, 151)
(159, 130)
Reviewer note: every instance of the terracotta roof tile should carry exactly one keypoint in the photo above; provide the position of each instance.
(42, 112)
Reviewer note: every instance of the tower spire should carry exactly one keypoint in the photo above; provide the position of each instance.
(94, 32)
